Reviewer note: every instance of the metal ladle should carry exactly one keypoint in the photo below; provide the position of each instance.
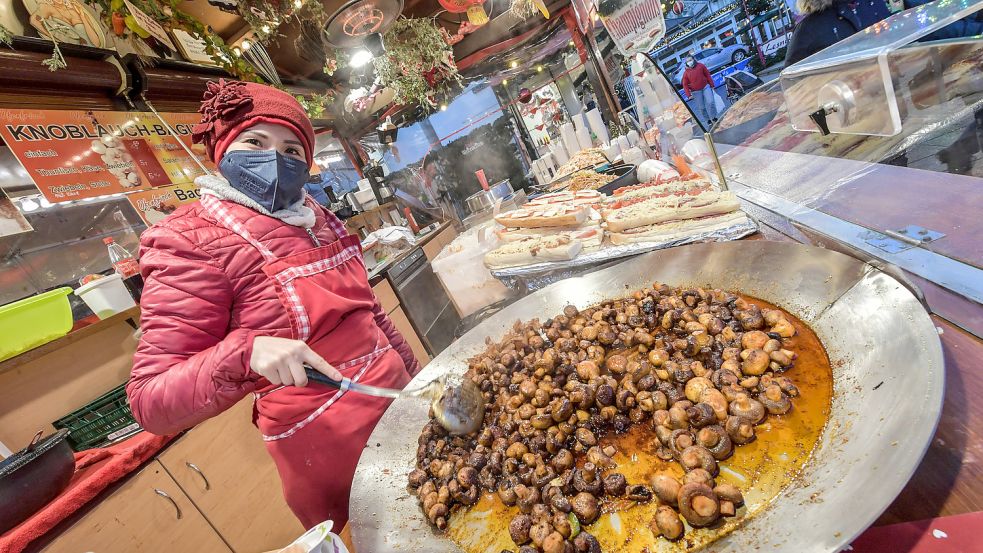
(457, 403)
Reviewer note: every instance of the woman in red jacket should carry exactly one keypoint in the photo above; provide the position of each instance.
(249, 284)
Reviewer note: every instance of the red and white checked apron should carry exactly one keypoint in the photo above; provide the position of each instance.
(316, 434)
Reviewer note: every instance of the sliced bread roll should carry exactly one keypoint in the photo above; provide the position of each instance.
(544, 216)
(673, 230)
(659, 210)
(533, 250)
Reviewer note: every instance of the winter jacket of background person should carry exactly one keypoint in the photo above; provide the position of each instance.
(696, 78)
(965, 27)
(827, 22)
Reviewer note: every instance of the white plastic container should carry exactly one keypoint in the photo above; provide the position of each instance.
(106, 296)
(461, 269)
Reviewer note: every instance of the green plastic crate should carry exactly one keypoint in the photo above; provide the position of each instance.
(105, 419)
(34, 321)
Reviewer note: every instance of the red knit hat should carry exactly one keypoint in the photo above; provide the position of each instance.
(230, 107)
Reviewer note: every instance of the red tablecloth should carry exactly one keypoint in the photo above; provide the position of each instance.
(955, 534)
(95, 470)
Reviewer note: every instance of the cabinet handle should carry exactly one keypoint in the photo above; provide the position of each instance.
(163, 494)
(195, 468)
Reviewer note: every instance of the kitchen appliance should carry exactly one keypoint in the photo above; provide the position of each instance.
(501, 189)
(424, 301)
(33, 476)
(352, 202)
(480, 201)
(887, 384)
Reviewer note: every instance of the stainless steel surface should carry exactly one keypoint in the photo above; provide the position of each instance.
(888, 385)
(953, 275)
(501, 190)
(480, 201)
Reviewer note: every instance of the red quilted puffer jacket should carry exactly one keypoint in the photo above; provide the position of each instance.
(205, 298)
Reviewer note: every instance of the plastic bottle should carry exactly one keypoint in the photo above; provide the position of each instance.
(126, 266)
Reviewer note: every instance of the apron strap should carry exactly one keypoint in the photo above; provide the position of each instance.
(335, 223)
(225, 218)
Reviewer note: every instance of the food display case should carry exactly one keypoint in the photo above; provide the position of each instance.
(875, 146)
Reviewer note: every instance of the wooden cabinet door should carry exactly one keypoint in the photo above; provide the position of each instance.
(149, 513)
(223, 466)
(404, 327)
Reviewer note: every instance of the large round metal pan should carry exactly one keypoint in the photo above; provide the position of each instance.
(887, 392)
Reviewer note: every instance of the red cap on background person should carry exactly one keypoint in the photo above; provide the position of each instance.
(230, 107)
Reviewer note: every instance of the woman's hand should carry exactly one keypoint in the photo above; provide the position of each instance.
(281, 361)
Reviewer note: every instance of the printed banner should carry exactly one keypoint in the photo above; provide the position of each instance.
(72, 155)
(154, 205)
(635, 25)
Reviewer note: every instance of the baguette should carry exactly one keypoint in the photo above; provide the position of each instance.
(514, 235)
(659, 210)
(671, 230)
(544, 216)
(533, 250)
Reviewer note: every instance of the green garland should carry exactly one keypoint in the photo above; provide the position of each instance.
(166, 13)
(415, 47)
(6, 37)
(315, 104)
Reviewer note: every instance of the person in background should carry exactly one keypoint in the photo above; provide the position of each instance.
(827, 22)
(588, 99)
(698, 86)
(246, 288)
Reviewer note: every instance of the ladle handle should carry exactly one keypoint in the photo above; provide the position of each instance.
(346, 384)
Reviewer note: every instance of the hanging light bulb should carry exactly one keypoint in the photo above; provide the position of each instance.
(266, 29)
(246, 45)
(298, 4)
(443, 107)
(360, 58)
(539, 69)
(514, 64)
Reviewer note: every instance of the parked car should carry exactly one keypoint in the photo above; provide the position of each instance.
(716, 58)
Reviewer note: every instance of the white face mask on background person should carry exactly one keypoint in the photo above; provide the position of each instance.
(690, 62)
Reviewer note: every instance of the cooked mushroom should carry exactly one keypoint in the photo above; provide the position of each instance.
(729, 492)
(417, 478)
(787, 386)
(585, 507)
(666, 488)
(695, 387)
(755, 363)
(586, 543)
(554, 543)
(540, 531)
(667, 523)
(678, 417)
(754, 340)
(616, 364)
(749, 409)
(586, 479)
(680, 440)
(698, 476)
(615, 484)
(526, 498)
(775, 400)
(700, 415)
(507, 493)
(740, 430)
(716, 440)
(563, 460)
(597, 456)
(727, 508)
(695, 457)
(698, 504)
(639, 492)
(585, 437)
(717, 401)
(783, 328)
